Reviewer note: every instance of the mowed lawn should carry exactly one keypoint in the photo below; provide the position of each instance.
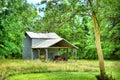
(55, 76)
(70, 70)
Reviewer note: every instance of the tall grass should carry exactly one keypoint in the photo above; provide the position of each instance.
(11, 67)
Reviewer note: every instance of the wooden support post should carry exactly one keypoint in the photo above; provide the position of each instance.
(32, 54)
(76, 55)
(3, 57)
(67, 52)
(38, 53)
(58, 51)
(46, 58)
(72, 51)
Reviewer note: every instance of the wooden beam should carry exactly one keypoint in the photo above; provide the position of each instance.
(51, 47)
(58, 47)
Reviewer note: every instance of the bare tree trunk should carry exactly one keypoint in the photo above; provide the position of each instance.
(98, 45)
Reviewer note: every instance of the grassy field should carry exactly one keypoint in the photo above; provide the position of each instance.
(70, 70)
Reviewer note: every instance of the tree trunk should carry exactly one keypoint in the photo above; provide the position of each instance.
(98, 45)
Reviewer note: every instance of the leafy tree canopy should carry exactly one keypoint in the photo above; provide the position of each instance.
(71, 18)
(16, 16)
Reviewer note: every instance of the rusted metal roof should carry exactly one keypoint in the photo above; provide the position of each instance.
(42, 35)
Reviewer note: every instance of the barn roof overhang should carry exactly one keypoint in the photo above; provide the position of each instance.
(54, 43)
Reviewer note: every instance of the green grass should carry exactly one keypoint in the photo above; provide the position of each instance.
(36, 70)
(55, 76)
(60, 76)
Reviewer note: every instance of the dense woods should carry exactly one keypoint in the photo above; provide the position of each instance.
(71, 19)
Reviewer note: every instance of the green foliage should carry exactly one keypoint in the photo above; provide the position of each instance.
(71, 20)
(16, 16)
(110, 31)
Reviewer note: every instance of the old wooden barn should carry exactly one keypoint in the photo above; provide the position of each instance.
(47, 44)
